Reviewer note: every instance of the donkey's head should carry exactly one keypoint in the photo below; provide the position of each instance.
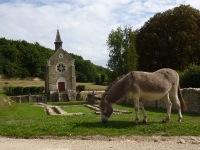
(106, 109)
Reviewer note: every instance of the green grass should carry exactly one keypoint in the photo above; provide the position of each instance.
(92, 86)
(19, 82)
(5, 101)
(27, 120)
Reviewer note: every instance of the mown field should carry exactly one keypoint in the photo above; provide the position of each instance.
(27, 120)
(30, 82)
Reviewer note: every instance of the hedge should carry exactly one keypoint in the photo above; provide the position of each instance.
(80, 88)
(19, 90)
(190, 77)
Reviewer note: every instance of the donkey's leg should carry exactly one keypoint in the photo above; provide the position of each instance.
(136, 105)
(174, 96)
(168, 106)
(143, 111)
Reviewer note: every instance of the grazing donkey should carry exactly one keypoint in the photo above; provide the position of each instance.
(136, 85)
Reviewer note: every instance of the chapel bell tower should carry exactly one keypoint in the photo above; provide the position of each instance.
(58, 42)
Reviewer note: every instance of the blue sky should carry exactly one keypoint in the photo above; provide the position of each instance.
(84, 24)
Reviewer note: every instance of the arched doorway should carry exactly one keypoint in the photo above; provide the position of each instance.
(61, 84)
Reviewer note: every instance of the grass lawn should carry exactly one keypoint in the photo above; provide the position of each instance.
(92, 86)
(27, 120)
(27, 83)
(19, 82)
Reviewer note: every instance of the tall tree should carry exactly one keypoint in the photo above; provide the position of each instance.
(170, 39)
(23, 59)
(122, 52)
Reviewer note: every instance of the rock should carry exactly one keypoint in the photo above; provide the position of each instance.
(182, 141)
(194, 138)
(132, 141)
(156, 140)
(195, 142)
(110, 139)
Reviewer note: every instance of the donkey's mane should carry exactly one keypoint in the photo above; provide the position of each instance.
(111, 84)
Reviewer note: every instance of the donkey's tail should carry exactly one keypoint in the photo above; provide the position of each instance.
(182, 101)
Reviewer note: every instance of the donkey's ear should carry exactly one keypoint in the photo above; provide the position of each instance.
(103, 98)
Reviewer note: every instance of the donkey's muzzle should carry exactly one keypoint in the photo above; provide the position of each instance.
(104, 120)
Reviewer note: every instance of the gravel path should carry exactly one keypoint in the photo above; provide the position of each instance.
(102, 143)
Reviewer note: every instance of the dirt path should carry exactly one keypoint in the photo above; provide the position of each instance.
(102, 143)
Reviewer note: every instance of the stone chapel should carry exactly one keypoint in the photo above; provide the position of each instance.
(60, 82)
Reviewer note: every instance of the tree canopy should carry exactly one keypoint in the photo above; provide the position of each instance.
(23, 59)
(122, 52)
(170, 39)
(86, 71)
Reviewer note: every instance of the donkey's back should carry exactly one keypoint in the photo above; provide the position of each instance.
(155, 85)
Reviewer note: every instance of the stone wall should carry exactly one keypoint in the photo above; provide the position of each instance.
(191, 97)
(84, 94)
(28, 98)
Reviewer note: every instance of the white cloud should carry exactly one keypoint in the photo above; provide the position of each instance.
(84, 25)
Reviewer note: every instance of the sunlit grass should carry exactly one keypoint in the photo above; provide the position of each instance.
(27, 120)
(19, 82)
(27, 83)
(92, 86)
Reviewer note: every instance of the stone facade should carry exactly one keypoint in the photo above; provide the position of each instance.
(60, 83)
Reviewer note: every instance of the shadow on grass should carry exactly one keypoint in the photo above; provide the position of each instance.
(191, 115)
(112, 124)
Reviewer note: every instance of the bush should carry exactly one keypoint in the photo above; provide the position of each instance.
(40, 90)
(26, 91)
(190, 77)
(8, 90)
(13, 91)
(33, 90)
(17, 90)
(80, 88)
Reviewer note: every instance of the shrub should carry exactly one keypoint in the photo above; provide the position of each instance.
(190, 77)
(17, 90)
(26, 90)
(8, 90)
(13, 91)
(80, 88)
(33, 90)
(40, 90)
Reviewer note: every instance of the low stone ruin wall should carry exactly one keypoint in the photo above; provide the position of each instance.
(84, 94)
(191, 97)
(27, 98)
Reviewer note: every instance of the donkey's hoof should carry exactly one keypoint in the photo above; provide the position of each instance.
(164, 121)
(135, 123)
(179, 120)
(144, 121)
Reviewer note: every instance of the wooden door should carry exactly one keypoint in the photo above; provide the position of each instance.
(61, 86)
